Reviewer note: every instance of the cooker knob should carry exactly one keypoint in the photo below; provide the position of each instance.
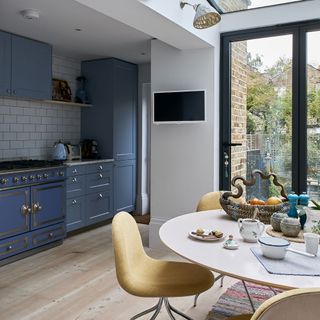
(15, 179)
(23, 179)
(4, 180)
(61, 173)
(39, 176)
(45, 175)
(31, 178)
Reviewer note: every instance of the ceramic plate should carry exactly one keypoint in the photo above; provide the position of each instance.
(205, 236)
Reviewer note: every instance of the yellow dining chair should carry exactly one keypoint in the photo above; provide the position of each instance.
(210, 201)
(143, 276)
(296, 304)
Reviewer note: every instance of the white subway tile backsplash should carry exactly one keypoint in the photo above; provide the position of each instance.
(29, 129)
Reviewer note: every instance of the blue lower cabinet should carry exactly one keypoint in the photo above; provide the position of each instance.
(46, 235)
(75, 213)
(99, 207)
(14, 245)
(124, 185)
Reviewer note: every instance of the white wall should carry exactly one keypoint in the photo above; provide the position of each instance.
(181, 154)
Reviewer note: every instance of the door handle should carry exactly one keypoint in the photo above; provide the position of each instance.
(25, 209)
(37, 207)
(231, 144)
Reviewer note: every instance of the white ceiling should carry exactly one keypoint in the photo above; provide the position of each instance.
(101, 36)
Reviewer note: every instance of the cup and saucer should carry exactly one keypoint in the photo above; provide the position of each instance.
(230, 243)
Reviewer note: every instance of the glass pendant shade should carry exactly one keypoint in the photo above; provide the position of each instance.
(205, 17)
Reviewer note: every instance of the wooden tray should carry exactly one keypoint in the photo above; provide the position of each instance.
(279, 234)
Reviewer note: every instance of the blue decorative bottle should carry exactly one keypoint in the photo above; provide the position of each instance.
(303, 202)
(293, 200)
(304, 199)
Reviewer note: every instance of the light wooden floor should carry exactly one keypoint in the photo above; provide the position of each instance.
(77, 281)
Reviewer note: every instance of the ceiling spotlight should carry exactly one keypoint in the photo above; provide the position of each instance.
(205, 17)
(30, 14)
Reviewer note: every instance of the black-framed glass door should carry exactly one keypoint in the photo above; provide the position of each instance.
(270, 106)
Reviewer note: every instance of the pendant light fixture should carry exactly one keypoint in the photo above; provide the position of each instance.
(205, 17)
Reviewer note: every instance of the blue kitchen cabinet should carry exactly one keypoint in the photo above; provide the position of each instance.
(26, 67)
(5, 63)
(124, 185)
(89, 194)
(112, 89)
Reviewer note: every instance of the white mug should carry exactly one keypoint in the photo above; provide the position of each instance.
(250, 229)
(312, 242)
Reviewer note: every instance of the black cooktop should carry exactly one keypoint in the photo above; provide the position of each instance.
(29, 164)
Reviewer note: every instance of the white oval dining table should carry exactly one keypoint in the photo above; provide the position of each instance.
(240, 263)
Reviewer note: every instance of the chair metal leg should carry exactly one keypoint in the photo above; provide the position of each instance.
(167, 305)
(171, 308)
(156, 307)
(196, 299)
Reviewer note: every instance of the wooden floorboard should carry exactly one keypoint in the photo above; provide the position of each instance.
(77, 281)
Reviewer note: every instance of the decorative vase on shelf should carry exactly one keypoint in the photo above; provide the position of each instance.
(81, 93)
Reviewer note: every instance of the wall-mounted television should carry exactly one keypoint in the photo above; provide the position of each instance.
(183, 106)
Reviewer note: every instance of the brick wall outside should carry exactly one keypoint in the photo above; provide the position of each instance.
(29, 129)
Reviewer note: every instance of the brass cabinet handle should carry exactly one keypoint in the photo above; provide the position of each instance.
(50, 234)
(74, 171)
(25, 209)
(36, 207)
(74, 201)
(9, 248)
(100, 167)
(100, 176)
(100, 196)
(74, 180)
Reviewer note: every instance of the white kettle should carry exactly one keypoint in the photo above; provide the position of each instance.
(59, 151)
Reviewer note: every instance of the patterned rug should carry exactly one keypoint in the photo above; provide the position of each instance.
(235, 300)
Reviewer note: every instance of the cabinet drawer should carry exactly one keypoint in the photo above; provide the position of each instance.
(76, 170)
(13, 245)
(47, 235)
(99, 206)
(98, 181)
(75, 213)
(75, 186)
(99, 167)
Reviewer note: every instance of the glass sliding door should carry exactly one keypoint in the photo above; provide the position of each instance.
(261, 109)
(313, 114)
(270, 107)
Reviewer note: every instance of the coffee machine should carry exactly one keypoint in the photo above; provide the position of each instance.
(89, 149)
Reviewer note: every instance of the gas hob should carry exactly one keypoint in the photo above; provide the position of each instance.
(18, 173)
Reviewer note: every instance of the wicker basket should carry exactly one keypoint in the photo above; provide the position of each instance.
(244, 210)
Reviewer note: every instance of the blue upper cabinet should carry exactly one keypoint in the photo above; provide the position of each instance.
(5, 63)
(112, 87)
(31, 68)
(25, 66)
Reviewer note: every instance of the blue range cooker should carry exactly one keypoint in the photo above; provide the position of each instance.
(32, 207)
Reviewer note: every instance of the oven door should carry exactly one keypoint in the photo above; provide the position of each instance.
(48, 204)
(14, 212)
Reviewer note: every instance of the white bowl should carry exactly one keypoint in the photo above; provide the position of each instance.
(273, 248)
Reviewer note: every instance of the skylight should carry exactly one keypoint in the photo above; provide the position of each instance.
(225, 6)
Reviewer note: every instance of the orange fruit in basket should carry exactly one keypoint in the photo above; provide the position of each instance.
(256, 201)
(272, 201)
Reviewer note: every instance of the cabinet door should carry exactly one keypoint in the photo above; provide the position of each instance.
(124, 185)
(75, 213)
(48, 204)
(5, 63)
(125, 105)
(31, 68)
(14, 214)
(99, 207)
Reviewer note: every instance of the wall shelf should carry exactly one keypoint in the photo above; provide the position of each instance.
(75, 104)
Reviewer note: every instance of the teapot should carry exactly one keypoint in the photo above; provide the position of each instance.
(59, 151)
(250, 229)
